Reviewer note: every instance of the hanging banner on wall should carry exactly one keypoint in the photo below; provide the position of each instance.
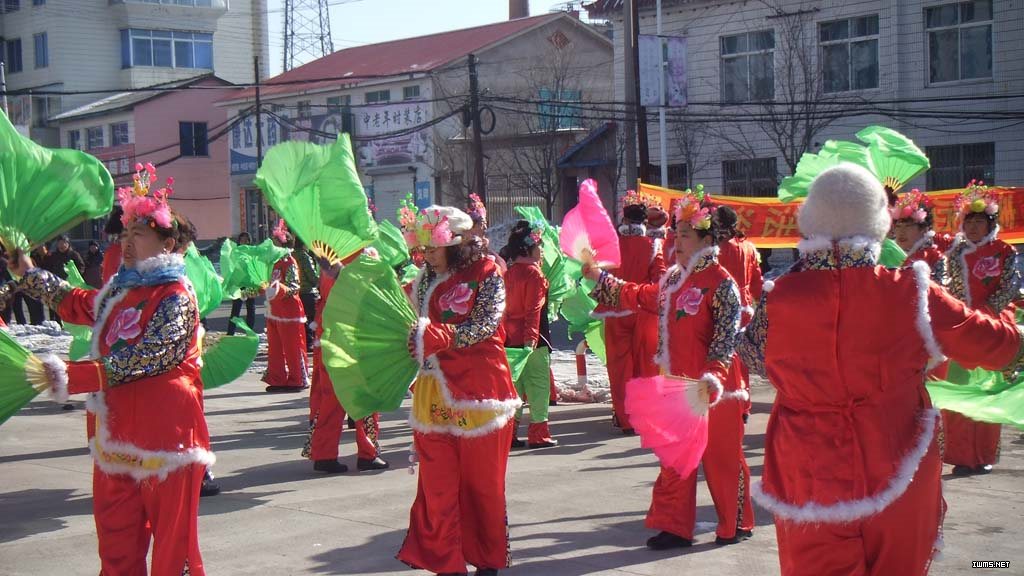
(769, 223)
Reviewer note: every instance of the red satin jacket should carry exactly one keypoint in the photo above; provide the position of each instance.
(526, 290)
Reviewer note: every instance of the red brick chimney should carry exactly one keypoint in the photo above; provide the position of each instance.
(518, 9)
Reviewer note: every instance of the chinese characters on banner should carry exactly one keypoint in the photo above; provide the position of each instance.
(769, 223)
(405, 148)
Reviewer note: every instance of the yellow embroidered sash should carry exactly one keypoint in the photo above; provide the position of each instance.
(430, 409)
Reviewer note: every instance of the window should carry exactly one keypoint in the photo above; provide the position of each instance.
(13, 55)
(378, 96)
(849, 54)
(955, 165)
(119, 134)
(959, 41)
(752, 178)
(335, 103)
(552, 115)
(166, 49)
(304, 109)
(74, 139)
(94, 138)
(38, 2)
(11, 5)
(41, 50)
(676, 176)
(410, 92)
(206, 3)
(748, 67)
(193, 139)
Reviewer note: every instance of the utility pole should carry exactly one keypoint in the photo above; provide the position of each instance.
(3, 86)
(629, 95)
(259, 123)
(478, 143)
(662, 137)
(641, 112)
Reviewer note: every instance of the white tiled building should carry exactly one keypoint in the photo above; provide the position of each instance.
(905, 64)
(85, 45)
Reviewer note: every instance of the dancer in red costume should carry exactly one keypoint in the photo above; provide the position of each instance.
(286, 323)
(478, 233)
(463, 401)
(983, 274)
(527, 293)
(740, 258)
(112, 257)
(912, 219)
(698, 308)
(852, 470)
(326, 414)
(151, 443)
(631, 336)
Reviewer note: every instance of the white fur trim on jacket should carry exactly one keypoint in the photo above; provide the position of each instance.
(923, 241)
(96, 403)
(714, 384)
(300, 319)
(505, 409)
(611, 314)
(850, 510)
(665, 292)
(922, 275)
(768, 286)
(58, 369)
(157, 262)
(421, 328)
(424, 306)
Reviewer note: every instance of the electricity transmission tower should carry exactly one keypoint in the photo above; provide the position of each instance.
(307, 31)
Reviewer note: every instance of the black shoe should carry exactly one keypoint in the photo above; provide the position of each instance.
(744, 534)
(210, 488)
(667, 540)
(719, 541)
(330, 466)
(960, 470)
(68, 406)
(746, 416)
(550, 403)
(628, 432)
(351, 424)
(486, 572)
(517, 443)
(549, 443)
(982, 470)
(376, 464)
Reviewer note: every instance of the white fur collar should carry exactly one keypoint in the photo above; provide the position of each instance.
(818, 243)
(632, 230)
(699, 255)
(157, 262)
(962, 239)
(925, 240)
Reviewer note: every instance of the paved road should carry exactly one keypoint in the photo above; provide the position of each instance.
(576, 509)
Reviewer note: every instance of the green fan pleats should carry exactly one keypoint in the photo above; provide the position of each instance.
(409, 273)
(892, 255)
(248, 266)
(892, 157)
(366, 324)
(15, 390)
(317, 191)
(205, 281)
(517, 359)
(44, 192)
(895, 158)
(980, 394)
(595, 340)
(74, 277)
(229, 357)
(391, 245)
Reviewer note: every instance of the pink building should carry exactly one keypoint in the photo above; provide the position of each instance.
(178, 129)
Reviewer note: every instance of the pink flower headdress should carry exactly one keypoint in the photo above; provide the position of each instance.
(281, 231)
(976, 199)
(913, 206)
(692, 210)
(139, 205)
(433, 226)
(476, 209)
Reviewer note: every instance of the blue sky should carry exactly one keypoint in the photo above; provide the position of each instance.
(355, 22)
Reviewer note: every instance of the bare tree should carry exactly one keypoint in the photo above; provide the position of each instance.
(690, 137)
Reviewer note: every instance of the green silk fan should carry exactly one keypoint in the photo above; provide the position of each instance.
(391, 244)
(205, 281)
(366, 325)
(810, 165)
(895, 159)
(248, 267)
(310, 186)
(226, 358)
(81, 336)
(22, 376)
(555, 263)
(43, 191)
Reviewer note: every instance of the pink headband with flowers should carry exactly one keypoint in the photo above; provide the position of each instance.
(912, 206)
(139, 205)
(281, 231)
(476, 209)
(690, 209)
(422, 228)
(976, 199)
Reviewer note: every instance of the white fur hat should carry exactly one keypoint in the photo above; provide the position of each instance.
(845, 201)
(458, 221)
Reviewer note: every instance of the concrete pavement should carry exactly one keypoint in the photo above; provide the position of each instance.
(575, 509)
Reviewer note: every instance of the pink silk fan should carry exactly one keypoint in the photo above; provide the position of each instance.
(588, 234)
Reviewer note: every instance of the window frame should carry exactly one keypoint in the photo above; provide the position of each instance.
(192, 151)
(848, 42)
(45, 51)
(749, 180)
(376, 94)
(959, 26)
(89, 132)
(74, 139)
(175, 39)
(114, 129)
(406, 92)
(13, 53)
(746, 53)
(962, 167)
